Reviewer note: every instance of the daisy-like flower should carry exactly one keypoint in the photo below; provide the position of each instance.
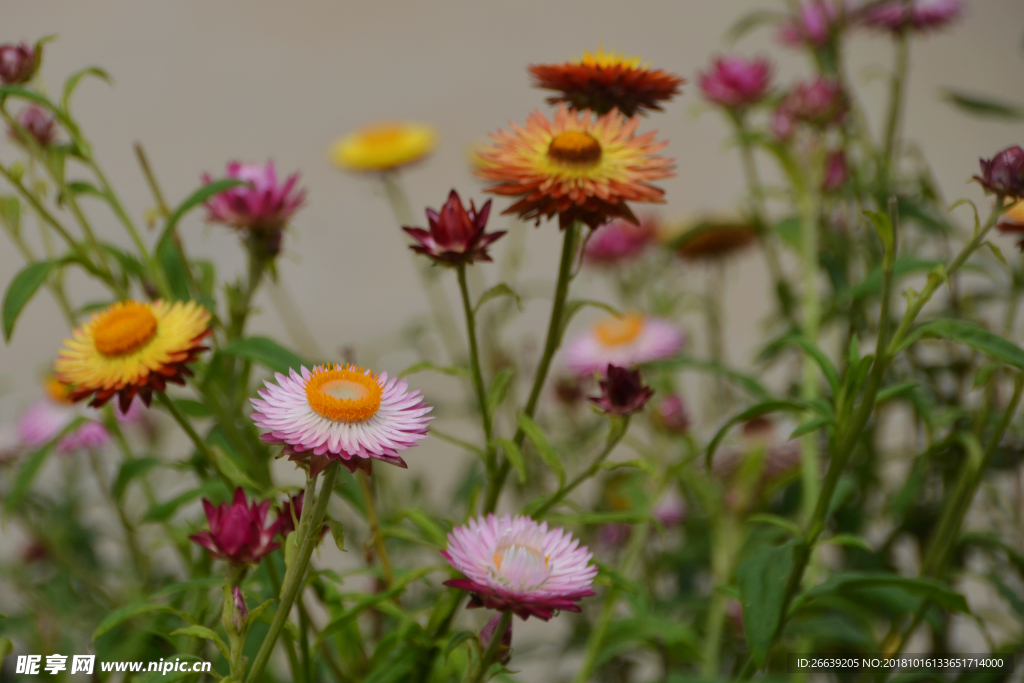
(132, 348)
(238, 531)
(602, 81)
(630, 340)
(619, 241)
(341, 413)
(714, 239)
(515, 564)
(44, 419)
(576, 166)
(263, 205)
(384, 146)
(456, 236)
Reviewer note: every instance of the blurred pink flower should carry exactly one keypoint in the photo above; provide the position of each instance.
(814, 25)
(672, 414)
(671, 509)
(624, 341)
(17, 63)
(736, 82)
(44, 419)
(836, 171)
(819, 102)
(619, 240)
(265, 206)
(238, 531)
(919, 15)
(37, 123)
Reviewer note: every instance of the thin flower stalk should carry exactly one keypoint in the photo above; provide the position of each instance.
(474, 365)
(490, 655)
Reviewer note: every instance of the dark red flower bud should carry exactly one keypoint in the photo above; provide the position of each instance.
(1003, 174)
(456, 236)
(17, 63)
(505, 647)
(836, 172)
(241, 612)
(820, 102)
(37, 123)
(622, 392)
(238, 532)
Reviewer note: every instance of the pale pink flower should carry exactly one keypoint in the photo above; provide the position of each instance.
(814, 25)
(920, 15)
(514, 563)
(619, 241)
(624, 341)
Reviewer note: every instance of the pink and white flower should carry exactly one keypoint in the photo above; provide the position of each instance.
(619, 240)
(624, 341)
(341, 413)
(517, 564)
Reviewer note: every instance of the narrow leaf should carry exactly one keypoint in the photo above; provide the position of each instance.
(131, 469)
(576, 305)
(499, 387)
(458, 638)
(969, 334)
(781, 522)
(119, 616)
(828, 369)
(983, 106)
(547, 452)
(762, 583)
(30, 467)
(515, 456)
(266, 352)
(72, 82)
(931, 589)
(337, 532)
(197, 631)
(498, 290)
(750, 413)
(164, 511)
(452, 370)
(746, 382)
(198, 197)
(22, 288)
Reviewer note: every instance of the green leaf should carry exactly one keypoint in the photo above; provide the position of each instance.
(456, 639)
(746, 382)
(337, 532)
(894, 391)
(849, 540)
(969, 334)
(499, 387)
(123, 614)
(161, 512)
(924, 587)
(498, 290)
(872, 282)
(72, 82)
(197, 631)
(781, 522)
(883, 228)
(174, 267)
(30, 467)
(130, 469)
(266, 352)
(812, 425)
(593, 518)
(10, 213)
(762, 582)
(198, 197)
(828, 369)
(636, 463)
(369, 601)
(256, 613)
(452, 370)
(980, 105)
(514, 456)
(444, 436)
(750, 413)
(576, 305)
(427, 525)
(6, 648)
(230, 469)
(191, 408)
(22, 288)
(547, 452)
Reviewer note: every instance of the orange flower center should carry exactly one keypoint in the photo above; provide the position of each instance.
(124, 329)
(57, 390)
(343, 394)
(529, 556)
(575, 148)
(384, 135)
(619, 331)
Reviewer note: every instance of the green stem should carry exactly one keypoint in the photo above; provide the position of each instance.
(55, 286)
(313, 514)
(811, 319)
(374, 522)
(440, 307)
(289, 644)
(728, 536)
(474, 365)
(490, 655)
(138, 557)
(896, 95)
(551, 344)
(197, 440)
(618, 430)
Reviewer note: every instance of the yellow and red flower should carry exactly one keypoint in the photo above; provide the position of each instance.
(602, 81)
(132, 347)
(578, 166)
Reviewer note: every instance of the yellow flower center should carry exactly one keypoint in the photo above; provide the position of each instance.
(383, 135)
(575, 148)
(57, 390)
(124, 329)
(619, 331)
(531, 557)
(343, 394)
(608, 59)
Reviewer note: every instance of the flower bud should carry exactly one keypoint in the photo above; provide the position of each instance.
(820, 102)
(505, 647)
(455, 236)
(814, 26)
(622, 392)
(672, 415)
(241, 612)
(1003, 174)
(17, 63)
(836, 172)
(735, 82)
(37, 123)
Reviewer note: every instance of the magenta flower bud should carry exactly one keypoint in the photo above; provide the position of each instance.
(836, 171)
(622, 392)
(455, 236)
(37, 123)
(619, 241)
(265, 206)
(239, 532)
(241, 612)
(820, 102)
(1003, 174)
(814, 26)
(736, 82)
(90, 436)
(782, 124)
(921, 16)
(17, 63)
(672, 415)
(671, 509)
(505, 647)
(286, 523)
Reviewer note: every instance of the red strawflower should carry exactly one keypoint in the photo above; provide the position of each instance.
(736, 82)
(622, 392)
(1003, 174)
(238, 531)
(455, 236)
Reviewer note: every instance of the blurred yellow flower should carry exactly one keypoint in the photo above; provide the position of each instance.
(384, 146)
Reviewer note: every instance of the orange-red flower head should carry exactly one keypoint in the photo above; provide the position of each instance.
(603, 81)
(577, 166)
